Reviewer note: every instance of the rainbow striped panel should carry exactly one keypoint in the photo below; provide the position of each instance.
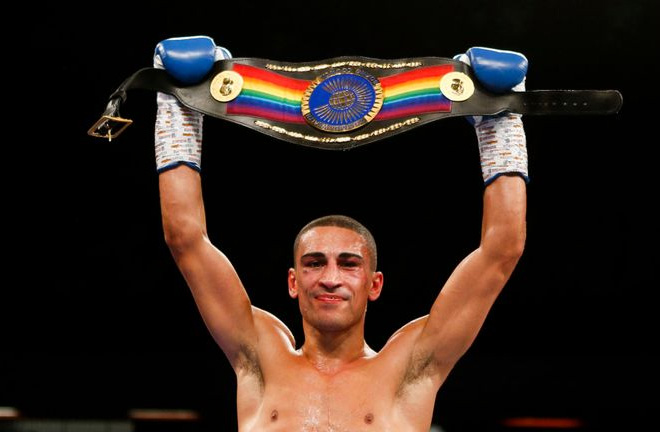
(268, 95)
(272, 96)
(413, 93)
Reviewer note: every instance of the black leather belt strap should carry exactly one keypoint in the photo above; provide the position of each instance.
(268, 98)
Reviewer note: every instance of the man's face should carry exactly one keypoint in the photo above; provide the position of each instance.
(332, 279)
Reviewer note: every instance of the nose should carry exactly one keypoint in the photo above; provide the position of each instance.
(330, 278)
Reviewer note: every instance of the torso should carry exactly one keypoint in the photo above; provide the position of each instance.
(279, 389)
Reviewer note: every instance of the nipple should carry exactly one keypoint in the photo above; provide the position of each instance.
(369, 418)
(273, 415)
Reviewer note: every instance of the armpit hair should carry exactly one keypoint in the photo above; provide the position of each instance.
(248, 361)
(421, 365)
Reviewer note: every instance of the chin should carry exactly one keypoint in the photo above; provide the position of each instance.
(330, 324)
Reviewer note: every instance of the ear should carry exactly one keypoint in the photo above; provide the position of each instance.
(293, 286)
(376, 286)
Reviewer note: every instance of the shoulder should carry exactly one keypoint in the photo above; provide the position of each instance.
(409, 367)
(408, 333)
(400, 345)
(414, 364)
(269, 327)
(274, 341)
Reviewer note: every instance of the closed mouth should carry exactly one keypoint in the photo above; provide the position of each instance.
(329, 298)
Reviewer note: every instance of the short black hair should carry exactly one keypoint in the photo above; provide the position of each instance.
(341, 221)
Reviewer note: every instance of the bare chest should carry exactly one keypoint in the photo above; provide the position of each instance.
(302, 399)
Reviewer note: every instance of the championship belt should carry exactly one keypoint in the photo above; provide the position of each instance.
(345, 102)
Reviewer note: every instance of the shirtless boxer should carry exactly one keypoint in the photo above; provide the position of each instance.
(334, 382)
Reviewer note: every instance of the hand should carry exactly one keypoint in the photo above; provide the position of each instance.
(188, 59)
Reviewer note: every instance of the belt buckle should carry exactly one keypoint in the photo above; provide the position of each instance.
(109, 127)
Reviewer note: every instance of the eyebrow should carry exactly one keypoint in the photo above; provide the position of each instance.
(343, 255)
(346, 255)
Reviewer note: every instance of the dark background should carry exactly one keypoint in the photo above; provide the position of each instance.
(96, 319)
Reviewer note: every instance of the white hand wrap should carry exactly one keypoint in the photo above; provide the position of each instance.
(178, 134)
(502, 147)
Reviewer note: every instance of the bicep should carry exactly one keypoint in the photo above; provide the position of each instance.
(220, 296)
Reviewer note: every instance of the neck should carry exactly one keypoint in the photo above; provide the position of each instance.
(330, 351)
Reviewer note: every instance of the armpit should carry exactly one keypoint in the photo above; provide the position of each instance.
(248, 363)
(421, 366)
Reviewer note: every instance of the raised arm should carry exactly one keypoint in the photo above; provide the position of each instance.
(217, 290)
(466, 298)
(461, 308)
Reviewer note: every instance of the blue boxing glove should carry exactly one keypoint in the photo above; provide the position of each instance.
(178, 131)
(502, 141)
(188, 59)
(499, 71)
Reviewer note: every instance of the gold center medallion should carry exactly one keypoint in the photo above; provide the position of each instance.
(342, 100)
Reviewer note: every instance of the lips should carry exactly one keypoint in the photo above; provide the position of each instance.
(329, 298)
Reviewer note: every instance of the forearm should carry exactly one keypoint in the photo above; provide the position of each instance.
(182, 207)
(504, 218)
